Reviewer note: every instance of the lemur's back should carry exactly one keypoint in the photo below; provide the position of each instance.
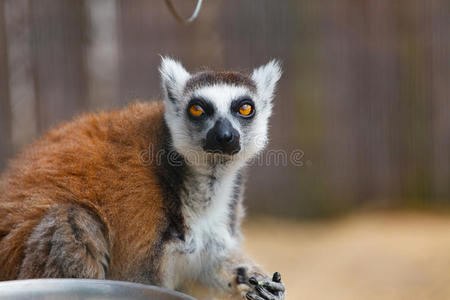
(78, 176)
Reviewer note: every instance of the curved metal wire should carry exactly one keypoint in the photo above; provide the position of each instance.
(178, 17)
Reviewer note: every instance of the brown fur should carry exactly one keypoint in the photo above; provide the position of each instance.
(84, 182)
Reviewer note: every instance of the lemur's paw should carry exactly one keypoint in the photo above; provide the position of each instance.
(267, 289)
(259, 287)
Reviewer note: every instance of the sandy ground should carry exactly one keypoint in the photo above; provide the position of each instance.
(376, 256)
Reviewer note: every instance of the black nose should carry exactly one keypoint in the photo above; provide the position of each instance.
(222, 138)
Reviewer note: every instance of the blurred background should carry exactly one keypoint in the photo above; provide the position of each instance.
(364, 99)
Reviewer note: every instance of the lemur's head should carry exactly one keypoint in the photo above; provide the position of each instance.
(218, 114)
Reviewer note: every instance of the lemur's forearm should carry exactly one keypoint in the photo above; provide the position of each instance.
(237, 276)
(227, 272)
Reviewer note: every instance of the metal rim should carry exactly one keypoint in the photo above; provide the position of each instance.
(91, 282)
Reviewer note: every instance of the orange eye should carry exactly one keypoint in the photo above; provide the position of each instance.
(245, 109)
(196, 110)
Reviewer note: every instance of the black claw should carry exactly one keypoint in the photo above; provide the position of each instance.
(276, 277)
(241, 271)
(253, 281)
(252, 296)
(264, 293)
(274, 286)
(241, 276)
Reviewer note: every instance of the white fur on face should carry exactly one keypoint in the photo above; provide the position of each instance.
(188, 139)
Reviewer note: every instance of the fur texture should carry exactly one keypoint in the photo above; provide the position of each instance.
(131, 194)
(94, 163)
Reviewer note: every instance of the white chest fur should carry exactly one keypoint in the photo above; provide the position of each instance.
(206, 209)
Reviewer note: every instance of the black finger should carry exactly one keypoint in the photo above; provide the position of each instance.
(276, 277)
(253, 281)
(274, 286)
(264, 293)
(241, 276)
(252, 296)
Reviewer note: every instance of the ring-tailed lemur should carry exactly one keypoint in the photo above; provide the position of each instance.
(151, 193)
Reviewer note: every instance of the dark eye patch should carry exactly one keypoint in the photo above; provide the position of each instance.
(236, 104)
(207, 106)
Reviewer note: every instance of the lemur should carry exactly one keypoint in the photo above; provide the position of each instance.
(151, 193)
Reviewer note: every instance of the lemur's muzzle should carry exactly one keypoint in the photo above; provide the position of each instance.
(222, 138)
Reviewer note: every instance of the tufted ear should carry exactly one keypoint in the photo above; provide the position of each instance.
(173, 78)
(266, 78)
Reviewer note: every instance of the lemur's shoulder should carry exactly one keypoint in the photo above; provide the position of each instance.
(98, 161)
(136, 123)
(91, 144)
(92, 136)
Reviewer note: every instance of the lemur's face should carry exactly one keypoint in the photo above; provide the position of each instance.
(221, 114)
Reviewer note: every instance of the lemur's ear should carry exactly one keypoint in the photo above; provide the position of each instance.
(266, 78)
(173, 78)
